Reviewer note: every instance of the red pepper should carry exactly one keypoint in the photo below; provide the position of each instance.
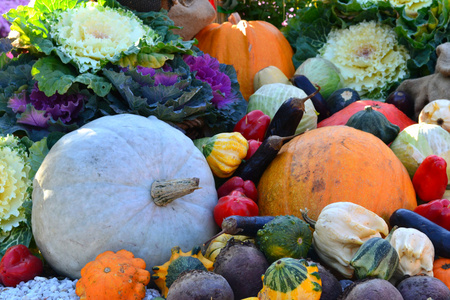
(253, 125)
(18, 264)
(235, 204)
(236, 183)
(437, 211)
(253, 145)
(430, 179)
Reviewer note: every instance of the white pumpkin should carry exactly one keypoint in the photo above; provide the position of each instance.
(92, 194)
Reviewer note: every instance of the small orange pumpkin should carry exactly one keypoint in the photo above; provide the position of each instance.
(441, 270)
(113, 276)
(335, 164)
(248, 46)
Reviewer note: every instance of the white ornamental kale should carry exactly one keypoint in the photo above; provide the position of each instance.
(14, 182)
(91, 35)
(368, 56)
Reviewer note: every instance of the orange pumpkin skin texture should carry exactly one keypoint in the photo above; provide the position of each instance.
(335, 164)
(249, 47)
(441, 270)
(113, 276)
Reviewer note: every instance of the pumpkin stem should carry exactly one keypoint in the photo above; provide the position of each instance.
(307, 219)
(234, 18)
(165, 191)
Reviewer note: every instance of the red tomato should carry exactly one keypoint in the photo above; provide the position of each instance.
(234, 204)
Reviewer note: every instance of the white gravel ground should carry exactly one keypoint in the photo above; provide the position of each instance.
(42, 288)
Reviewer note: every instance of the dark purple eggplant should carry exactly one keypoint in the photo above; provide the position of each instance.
(403, 102)
(302, 82)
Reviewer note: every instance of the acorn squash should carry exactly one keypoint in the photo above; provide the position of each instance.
(284, 236)
(374, 122)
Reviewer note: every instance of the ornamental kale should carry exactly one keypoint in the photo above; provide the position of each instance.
(37, 109)
(420, 34)
(61, 79)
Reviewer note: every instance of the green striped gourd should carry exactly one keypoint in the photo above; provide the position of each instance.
(375, 258)
(290, 278)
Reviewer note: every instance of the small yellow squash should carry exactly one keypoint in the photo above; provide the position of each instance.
(224, 152)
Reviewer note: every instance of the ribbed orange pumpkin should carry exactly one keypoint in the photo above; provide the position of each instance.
(441, 270)
(113, 276)
(333, 164)
(248, 46)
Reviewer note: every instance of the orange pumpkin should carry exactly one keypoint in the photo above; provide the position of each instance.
(248, 46)
(441, 270)
(113, 276)
(332, 164)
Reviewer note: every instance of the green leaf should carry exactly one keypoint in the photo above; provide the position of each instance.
(46, 6)
(18, 235)
(100, 85)
(27, 21)
(38, 151)
(53, 76)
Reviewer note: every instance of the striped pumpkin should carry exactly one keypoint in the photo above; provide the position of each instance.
(375, 258)
(289, 278)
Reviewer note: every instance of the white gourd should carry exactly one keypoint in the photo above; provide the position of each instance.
(92, 194)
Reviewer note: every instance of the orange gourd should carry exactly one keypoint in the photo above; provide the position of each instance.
(441, 270)
(248, 46)
(332, 164)
(113, 276)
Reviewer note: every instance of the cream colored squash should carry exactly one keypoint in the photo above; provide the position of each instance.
(92, 193)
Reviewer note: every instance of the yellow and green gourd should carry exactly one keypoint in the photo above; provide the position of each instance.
(179, 262)
(290, 278)
(224, 152)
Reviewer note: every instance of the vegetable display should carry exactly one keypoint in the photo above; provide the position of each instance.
(289, 162)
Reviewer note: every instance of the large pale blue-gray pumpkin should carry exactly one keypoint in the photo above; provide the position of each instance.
(98, 189)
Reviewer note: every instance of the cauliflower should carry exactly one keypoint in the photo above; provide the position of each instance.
(368, 56)
(15, 182)
(91, 35)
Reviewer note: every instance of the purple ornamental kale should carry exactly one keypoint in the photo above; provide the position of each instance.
(5, 6)
(207, 69)
(37, 109)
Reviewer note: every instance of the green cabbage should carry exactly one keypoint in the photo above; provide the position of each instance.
(322, 72)
(417, 141)
(269, 98)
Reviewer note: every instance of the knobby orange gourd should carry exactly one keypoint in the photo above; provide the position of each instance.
(335, 164)
(248, 46)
